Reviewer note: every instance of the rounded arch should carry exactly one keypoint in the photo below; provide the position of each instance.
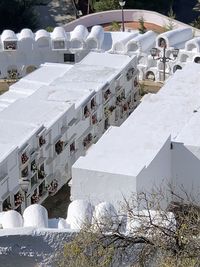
(42, 39)
(176, 67)
(197, 60)
(132, 47)
(92, 43)
(192, 47)
(184, 58)
(76, 44)
(30, 69)
(150, 76)
(162, 42)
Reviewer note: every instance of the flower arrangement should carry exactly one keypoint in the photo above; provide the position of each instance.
(94, 119)
(18, 199)
(24, 158)
(35, 198)
(107, 94)
(42, 141)
(52, 188)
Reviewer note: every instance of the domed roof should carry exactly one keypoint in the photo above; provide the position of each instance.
(42, 34)
(79, 212)
(62, 224)
(12, 219)
(36, 216)
(105, 215)
(58, 33)
(8, 35)
(26, 33)
(80, 33)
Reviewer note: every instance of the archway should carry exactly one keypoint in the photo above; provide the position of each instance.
(176, 67)
(162, 42)
(191, 47)
(150, 76)
(197, 60)
(184, 58)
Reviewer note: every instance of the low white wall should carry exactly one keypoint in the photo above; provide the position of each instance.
(129, 15)
(32, 247)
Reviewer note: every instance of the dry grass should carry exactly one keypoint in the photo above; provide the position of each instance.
(150, 86)
(4, 85)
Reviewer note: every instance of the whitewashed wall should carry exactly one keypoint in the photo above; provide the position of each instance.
(185, 170)
(129, 15)
(158, 173)
(97, 186)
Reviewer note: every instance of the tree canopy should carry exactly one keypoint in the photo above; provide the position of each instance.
(18, 14)
(162, 6)
(154, 236)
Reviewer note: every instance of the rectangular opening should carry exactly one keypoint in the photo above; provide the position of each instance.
(69, 57)
(59, 44)
(10, 45)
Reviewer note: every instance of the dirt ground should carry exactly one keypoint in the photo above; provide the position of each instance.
(4, 85)
(135, 25)
(147, 86)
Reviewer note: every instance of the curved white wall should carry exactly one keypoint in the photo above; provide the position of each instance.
(129, 15)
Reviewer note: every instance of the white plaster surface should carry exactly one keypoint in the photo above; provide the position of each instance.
(79, 213)
(35, 216)
(12, 219)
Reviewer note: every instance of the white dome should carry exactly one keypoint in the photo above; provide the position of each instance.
(62, 224)
(12, 219)
(79, 212)
(36, 216)
(58, 33)
(105, 215)
(8, 35)
(26, 34)
(42, 34)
